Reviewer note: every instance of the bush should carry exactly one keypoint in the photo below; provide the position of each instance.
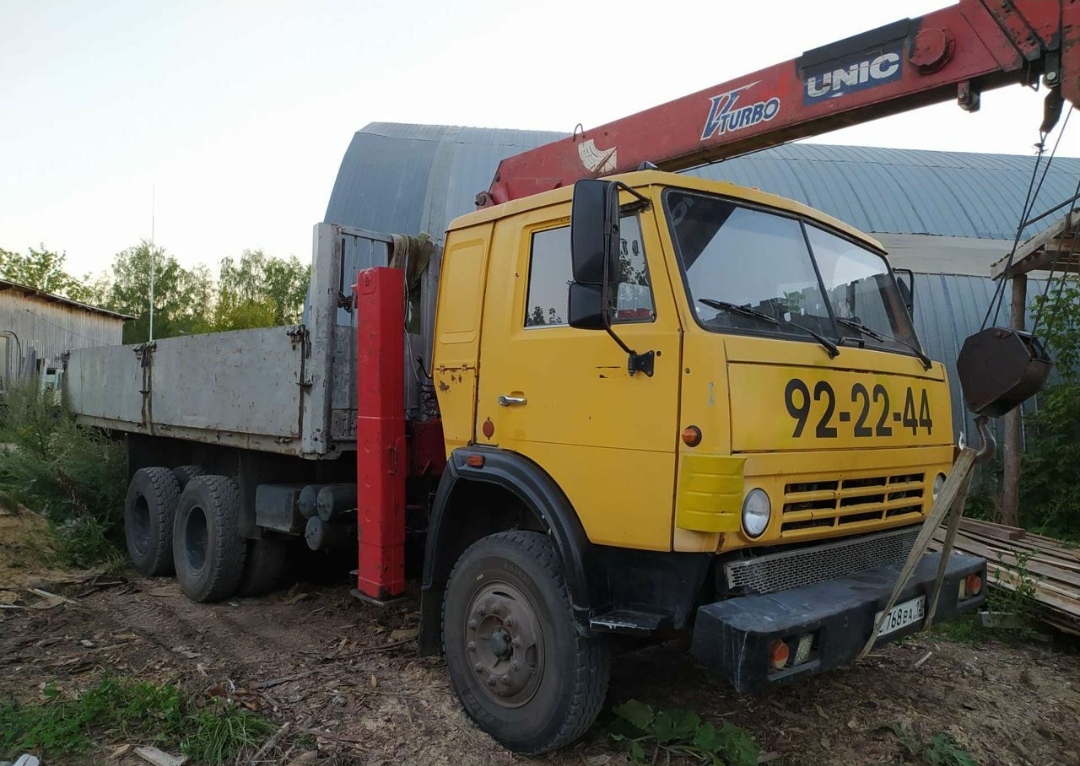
(1049, 491)
(1049, 494)
(74, 476)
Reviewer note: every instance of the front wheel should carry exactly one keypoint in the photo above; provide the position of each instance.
(517, 663)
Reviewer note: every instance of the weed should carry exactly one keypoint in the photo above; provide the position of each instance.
(219, 732)
(74, 476)
(1020, 598)
(68, 725)
(642, 730)
(964, 629)
(941, 750)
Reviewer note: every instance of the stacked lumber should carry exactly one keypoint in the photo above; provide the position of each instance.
(1046, 567)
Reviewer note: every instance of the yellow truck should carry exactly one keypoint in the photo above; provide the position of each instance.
(655, 404)
(671, 403)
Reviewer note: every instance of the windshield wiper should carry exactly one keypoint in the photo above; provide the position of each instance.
(880, 336)
(746, 311)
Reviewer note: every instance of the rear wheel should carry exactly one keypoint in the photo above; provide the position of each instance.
(264, 566)
(516, 661)
(185, 473)
(149, 510)
(208, 551)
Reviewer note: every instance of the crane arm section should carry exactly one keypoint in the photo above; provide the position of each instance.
(955, 52)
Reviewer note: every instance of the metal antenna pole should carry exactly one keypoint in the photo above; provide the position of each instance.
(153, 205)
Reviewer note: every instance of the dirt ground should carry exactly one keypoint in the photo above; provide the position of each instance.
(346, 677)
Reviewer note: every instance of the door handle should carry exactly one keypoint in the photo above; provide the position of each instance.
(506, 401)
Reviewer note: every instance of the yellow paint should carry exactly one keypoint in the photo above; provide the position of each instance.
(844, 409)
(597, 430)
(611, 440)
(687, 541)
(457, 331)
(710, 492)
(653, 180)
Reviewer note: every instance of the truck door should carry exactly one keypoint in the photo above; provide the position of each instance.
(564, 397)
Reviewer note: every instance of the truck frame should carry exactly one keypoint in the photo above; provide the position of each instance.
(616, 401)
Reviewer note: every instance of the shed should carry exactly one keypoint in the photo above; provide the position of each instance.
(36, 328)
(946, 215)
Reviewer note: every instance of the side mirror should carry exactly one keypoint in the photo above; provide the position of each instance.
(594, 256)
(907, 291)
(594, 230)
(586, 306)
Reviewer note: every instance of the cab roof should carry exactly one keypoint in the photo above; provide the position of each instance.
(645, 178)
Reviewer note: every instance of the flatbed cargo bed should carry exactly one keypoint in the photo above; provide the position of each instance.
(285, 390)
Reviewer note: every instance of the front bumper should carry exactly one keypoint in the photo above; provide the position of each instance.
(733, 636)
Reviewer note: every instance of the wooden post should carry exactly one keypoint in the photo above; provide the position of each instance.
(1013, 447)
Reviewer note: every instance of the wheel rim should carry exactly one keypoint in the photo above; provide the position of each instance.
(196, 537)
(505, 644)
(140, 525)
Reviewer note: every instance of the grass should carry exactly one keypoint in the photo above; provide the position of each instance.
(122, 711)
(940, 750)
(75, 477)
(964, 629)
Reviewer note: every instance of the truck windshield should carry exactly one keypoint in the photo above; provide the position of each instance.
(786, 268)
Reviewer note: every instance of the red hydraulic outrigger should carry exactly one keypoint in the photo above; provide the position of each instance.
(956, 52)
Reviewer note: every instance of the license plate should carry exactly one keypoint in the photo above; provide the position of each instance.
(902, 615)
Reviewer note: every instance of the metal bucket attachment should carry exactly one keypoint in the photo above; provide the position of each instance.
(1000, 368)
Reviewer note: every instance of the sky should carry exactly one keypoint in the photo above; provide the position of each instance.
(220, 125)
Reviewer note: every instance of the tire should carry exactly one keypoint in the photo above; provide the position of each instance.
(149, 510)
(263, 568)
(185, 473)
(543, 692)
(208, 551)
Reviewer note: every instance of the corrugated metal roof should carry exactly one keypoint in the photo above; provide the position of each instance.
(6, 284)
(410, 178)
(904, 191)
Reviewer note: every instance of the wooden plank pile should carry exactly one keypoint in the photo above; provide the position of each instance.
(1044, 567)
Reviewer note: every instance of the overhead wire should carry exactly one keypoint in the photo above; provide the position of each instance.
(1029, 204)
(1053, 267)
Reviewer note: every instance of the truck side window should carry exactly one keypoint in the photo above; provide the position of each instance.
(550, 275)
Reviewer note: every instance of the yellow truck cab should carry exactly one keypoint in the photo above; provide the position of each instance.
(672, 404)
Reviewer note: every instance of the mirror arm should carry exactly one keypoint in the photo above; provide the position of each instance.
(635, 362)
(642, 202)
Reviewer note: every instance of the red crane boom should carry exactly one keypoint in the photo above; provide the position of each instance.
(958, 51)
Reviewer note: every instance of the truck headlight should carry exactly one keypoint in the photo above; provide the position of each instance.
(939, 484)
(756, 510)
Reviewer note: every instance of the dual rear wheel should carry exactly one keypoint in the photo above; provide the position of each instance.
(185, 522)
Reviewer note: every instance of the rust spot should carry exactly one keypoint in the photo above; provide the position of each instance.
(488, 428)
(443, 386)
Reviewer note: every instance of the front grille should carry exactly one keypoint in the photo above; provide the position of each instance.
(832, 504)
(804, 566)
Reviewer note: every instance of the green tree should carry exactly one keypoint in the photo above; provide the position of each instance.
(42, 269)
(260, 291)
(1049, 493)
(1059, 314)
(182, 297)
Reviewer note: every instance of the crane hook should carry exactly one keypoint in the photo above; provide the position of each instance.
(989, 442)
